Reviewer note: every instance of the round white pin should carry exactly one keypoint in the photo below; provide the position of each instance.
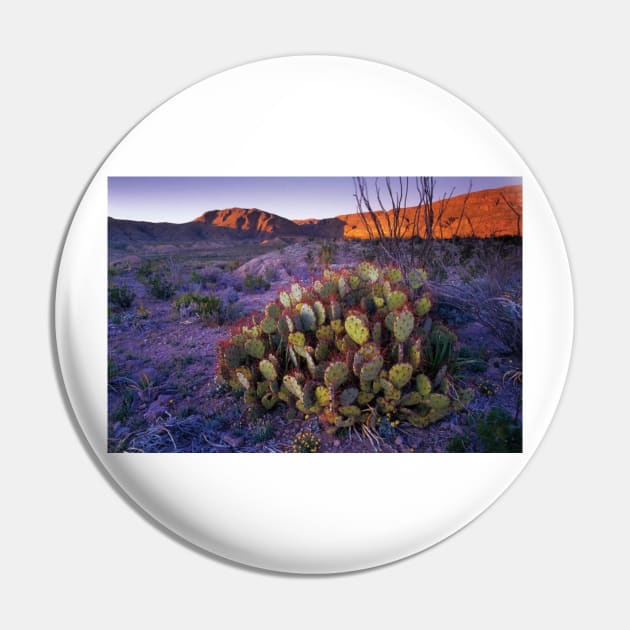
(243, 308)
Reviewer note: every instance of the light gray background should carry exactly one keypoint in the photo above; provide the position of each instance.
(553, 551)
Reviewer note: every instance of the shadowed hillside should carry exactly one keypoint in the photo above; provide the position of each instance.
(486, 213)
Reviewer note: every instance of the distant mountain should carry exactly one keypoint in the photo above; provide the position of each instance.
(486, 213)
(251, 221)
(493, 212)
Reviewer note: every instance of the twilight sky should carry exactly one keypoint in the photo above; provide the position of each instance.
(181, 199)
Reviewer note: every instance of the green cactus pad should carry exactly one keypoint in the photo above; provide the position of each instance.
(356, 329)
(337, 326)
(285, 299)
(273, 310)
(422, 306)
(423, 385)
(307, 315)
(268, 325)
(324, 333)
(371, 369)
(348, 396)
(393, 274)
(269, 401)
(255, 348)
(268, 370)
(411, 399)
(310, 364)
(415, 354)
(400, 374)
(364, 398)
(396, 299)
(350, 410)
(368, 272)
(336, 374)
(354, 282)
(322, 395)
(320, 312)
(438, 401)
(379, 302)
(297, 339)
(403, 326)
(290, 382)
(296, 293)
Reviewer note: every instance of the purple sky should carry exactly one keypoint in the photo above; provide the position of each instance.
(181, 199)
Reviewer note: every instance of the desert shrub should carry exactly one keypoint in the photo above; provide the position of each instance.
(206, 307)
(347, 348)
(233, 264)
(326, 253)
(147, 269)
(211, 308)
(439, 350)
(255, 282)
(121, 296)
(263, 432)
(160, 287)
(498, 432)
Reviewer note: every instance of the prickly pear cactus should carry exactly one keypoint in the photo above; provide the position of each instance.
(349, 348)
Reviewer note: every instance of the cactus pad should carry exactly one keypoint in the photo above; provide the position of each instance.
(322, 395)
(336, 374)
(268, 401)
(403, 326)
(350, 410)
(268, 325)
(371, 369)
(272, 310)
(411, 399)
(320, 313)
(400, 374)
(348, 396)
(396, 299)
(422, 306)
(423, 385)
(297, 339)
(357, 330)
(368, 272)
(307, 315)
(285, 299)
(268, 370)
(255, 348)
(290, 382)
(296, 293)
(364, 398)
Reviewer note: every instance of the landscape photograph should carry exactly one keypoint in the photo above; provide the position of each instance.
(315, 314)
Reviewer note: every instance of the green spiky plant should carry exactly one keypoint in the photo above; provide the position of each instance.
(349, 348)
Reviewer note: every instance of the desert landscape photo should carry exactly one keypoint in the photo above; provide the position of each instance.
(315, 314)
